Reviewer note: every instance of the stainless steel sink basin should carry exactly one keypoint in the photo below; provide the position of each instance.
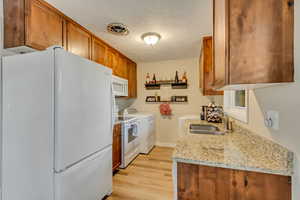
(205, 129)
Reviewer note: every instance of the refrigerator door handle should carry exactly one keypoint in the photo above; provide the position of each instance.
(112, 109)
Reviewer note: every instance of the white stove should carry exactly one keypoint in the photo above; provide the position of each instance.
(130, 139)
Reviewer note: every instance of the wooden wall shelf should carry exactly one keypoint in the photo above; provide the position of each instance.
(175, 99)
(171, 83)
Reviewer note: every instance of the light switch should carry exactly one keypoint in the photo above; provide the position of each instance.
(272, 119)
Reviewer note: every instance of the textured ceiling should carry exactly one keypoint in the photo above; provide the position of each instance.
(181, 24)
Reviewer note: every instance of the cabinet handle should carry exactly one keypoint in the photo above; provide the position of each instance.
(246, 182)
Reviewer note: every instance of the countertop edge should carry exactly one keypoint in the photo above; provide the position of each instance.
(235, 167)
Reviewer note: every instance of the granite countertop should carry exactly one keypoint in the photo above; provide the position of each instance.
(239, 149)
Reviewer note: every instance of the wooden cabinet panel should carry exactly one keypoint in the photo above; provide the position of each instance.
(256, 186)
(132, 79)
(99, 51)
(197, 182)
(44, 26)
(78, 41)
(121, 69)
(117, 148)
(264, 41)
(112, 59)
(14, 23)
(31, 23)
(253, 42)
(220, 42)
(206, 67)
(213, 183)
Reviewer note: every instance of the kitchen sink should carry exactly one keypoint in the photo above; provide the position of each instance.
(205, 129)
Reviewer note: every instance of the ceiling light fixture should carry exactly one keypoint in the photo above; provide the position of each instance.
(151, 38)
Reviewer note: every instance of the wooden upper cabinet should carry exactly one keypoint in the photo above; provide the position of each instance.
(35, 24)
(206, 68)
(44, 26)
(121, 69)
(78, 40)
(31, 23)
(99, 51)
(220, 42)
(112, 59)
(253, 42)
(132, 79)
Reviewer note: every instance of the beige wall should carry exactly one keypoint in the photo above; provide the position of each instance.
(286, 100)
(167, 127)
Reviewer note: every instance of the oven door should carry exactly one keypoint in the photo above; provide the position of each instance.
(131, 134)
(130, 143)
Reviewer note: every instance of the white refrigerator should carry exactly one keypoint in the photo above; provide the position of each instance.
(56, 127)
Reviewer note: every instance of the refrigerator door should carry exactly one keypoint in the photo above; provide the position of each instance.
(90, 179)
(27, 126)
(83, 114)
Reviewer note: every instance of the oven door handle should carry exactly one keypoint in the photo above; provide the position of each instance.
(135, 130)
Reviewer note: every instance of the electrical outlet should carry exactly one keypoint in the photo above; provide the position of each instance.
(272, 119)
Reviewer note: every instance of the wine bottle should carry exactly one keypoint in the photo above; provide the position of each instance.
(176, 77)
(154, 79)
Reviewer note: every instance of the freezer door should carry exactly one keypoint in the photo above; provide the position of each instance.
(27, 126)
(90, 179)
(82, 108)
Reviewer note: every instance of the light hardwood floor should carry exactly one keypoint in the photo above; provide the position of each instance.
(148, 177)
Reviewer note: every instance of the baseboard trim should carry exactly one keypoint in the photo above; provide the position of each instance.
(162, 144)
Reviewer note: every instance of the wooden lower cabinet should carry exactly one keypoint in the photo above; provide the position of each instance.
(197, 182)
(117, 147)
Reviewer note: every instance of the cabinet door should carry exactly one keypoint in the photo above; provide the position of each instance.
(44, 26)
(117, 148)
(112, 59)
(121, 69)
(203, 183)
(220, 43)
(98, 51)
(206, 65)
(261, 41)
(132, 79)
(257, 186)
(78, 40)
